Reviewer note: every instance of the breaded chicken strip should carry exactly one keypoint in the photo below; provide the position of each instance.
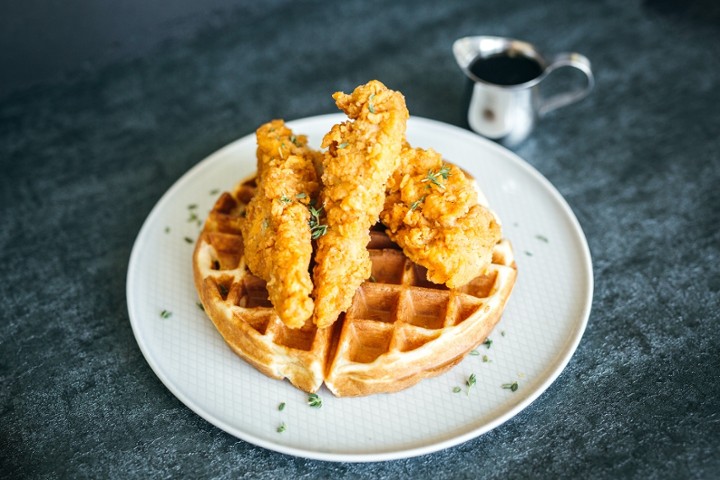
(432, 212)
(361, 155)
(276, 234)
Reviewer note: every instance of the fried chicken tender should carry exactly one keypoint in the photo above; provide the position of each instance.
(361, 155)
(432, 212)
(276, 234)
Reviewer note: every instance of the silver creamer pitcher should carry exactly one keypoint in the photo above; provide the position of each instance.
(506, 74)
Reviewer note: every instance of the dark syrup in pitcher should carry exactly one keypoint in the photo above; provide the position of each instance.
(507, 68)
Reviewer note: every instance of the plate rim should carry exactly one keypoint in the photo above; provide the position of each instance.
(554, 368)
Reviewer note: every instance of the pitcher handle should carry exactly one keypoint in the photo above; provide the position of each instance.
(574, 60)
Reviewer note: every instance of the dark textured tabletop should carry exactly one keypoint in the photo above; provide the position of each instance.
(103, 107)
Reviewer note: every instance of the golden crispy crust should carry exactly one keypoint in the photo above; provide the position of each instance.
(361, 155)
(431, 211)
(277, 238)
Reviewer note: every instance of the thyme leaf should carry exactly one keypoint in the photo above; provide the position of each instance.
(371, 107)
(314, 400)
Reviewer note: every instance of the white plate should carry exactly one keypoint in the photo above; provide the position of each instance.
(541, 328)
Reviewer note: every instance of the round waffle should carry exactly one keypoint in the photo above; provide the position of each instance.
(400, 327)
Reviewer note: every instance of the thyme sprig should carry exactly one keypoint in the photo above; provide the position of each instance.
(472, 380)
(434, 177)
(417, 203)
(317, 229)
(510, 386)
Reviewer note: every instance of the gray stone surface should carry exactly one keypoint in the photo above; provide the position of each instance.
(85, 155)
